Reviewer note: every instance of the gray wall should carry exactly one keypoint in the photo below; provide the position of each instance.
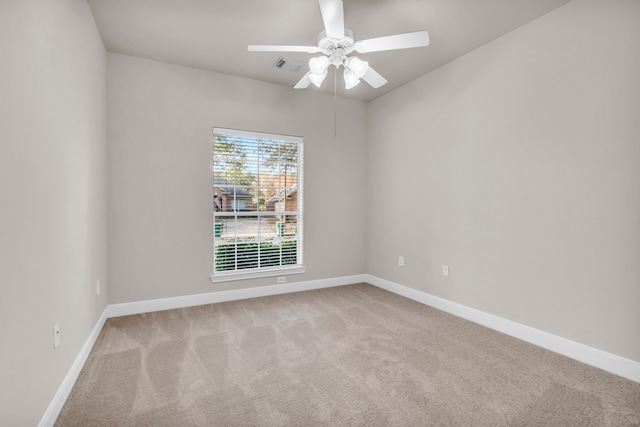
(517, 166)
(52, 195)
(161, 118)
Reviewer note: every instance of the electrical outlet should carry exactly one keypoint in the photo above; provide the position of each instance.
(98, 287)
(445, 270)
(401, 261)
(56, 335)
(282, 279)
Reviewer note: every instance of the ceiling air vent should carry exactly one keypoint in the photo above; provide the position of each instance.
(288, 65)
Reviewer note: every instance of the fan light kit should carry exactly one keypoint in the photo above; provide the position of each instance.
(337, 42)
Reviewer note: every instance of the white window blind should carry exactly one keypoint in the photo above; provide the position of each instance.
(257, 204)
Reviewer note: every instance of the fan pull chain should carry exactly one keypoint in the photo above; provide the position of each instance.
(335, 103)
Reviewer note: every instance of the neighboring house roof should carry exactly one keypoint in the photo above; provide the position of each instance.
(228, 188)
(279, 196)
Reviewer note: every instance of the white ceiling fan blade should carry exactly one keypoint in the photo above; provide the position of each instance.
(333, 18)
(282, 48)
(373, 78)
(303, 83)
(398, 41)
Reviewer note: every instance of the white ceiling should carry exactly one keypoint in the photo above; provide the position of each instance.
(214, 34)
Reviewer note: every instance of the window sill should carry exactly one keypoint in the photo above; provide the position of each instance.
(253, 274)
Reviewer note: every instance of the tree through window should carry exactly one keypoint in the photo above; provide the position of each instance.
(257, 204)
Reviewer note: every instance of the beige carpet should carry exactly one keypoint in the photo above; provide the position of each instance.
(352, 355)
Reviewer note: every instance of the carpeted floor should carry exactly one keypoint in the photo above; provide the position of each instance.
(351, 355)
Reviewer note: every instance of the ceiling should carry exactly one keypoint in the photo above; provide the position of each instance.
(214, 34)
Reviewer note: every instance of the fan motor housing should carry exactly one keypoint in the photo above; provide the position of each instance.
(325, 42)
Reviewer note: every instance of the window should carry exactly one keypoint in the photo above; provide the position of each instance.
(239, 205)
(257, 205)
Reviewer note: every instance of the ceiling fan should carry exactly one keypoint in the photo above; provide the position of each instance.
(337, 42)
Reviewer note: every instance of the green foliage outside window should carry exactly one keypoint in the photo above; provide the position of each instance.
(254, 255)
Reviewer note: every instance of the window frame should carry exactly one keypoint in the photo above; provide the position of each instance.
(270, 271)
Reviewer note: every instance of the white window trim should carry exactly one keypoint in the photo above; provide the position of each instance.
(225, 276)
(285, 270)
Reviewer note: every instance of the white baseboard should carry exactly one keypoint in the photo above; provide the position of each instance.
(138, 307)
(591, 356)
(51, 414)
